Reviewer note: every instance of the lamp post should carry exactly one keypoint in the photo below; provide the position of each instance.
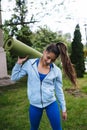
(86, 47)
(86, 33)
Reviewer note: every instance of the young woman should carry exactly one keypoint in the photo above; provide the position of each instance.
(45, 84)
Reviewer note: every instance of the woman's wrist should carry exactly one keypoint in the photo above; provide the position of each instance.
(18, 62)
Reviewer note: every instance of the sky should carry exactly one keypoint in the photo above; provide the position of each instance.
(57, 16)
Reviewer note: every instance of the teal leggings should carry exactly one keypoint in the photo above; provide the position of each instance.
(52, 112)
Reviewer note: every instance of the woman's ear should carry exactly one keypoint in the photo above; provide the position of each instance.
(44, 51)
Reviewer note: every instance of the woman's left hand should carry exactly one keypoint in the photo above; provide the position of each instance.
(64, 115)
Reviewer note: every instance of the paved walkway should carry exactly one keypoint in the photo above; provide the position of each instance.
(5, 81)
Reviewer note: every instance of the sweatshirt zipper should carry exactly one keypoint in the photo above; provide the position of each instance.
(41, 92)
(40, 87)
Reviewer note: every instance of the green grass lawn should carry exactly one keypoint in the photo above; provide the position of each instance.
(14, 107)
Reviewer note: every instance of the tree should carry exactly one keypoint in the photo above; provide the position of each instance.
(44, 36)
(17, 27)
(77, 54)
(24, 35)
(18, 18)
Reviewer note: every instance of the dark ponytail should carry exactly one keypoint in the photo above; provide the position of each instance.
(66, 62)
(61, 49)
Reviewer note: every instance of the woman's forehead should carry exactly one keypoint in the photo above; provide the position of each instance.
(51, 55)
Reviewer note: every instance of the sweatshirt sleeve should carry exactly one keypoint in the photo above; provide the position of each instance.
(18, 71)
(59, 91)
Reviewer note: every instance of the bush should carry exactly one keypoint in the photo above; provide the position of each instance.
(10, 61)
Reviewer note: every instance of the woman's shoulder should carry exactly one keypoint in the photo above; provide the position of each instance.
(56, 68)
(29, 62)
(32, 61)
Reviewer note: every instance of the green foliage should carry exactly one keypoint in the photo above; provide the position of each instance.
(44, 36)
(18, 18)
(77, 54)
(6, 33)
(10, 60)
(24, 35)
(85, 53)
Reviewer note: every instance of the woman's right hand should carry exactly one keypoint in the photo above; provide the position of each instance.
(21, 60)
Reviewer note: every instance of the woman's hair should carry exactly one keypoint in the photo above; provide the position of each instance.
(53, 48)
(61, 49)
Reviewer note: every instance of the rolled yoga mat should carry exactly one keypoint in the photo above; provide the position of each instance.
(20, 49)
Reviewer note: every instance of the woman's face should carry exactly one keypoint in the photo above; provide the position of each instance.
(48, 57)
